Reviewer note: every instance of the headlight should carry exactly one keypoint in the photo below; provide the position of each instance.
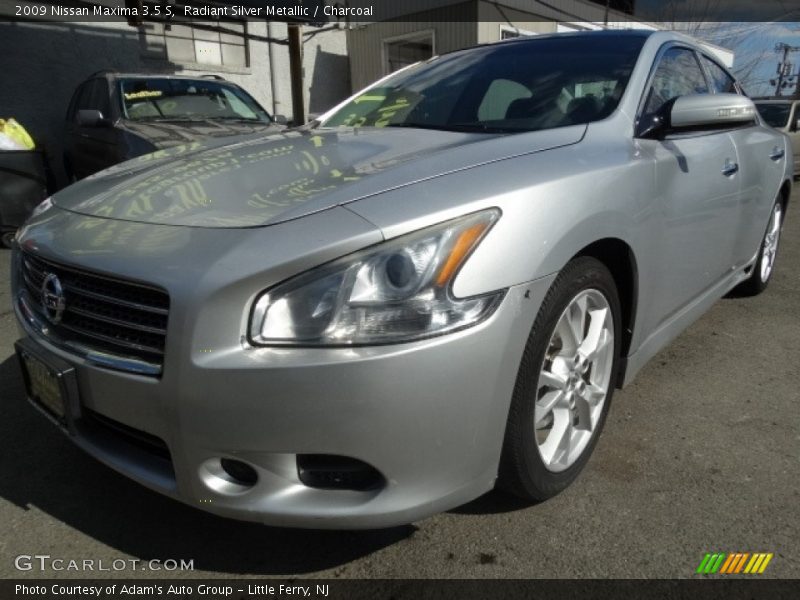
(397, 291)
(42, 207)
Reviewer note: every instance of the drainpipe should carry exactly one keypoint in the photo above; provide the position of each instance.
(273, 80)
(296, 73)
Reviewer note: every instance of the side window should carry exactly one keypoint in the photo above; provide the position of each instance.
(721, 82)
(678, 74)
(73, 103)
(83, 96)
(499, 96)
(98, 96)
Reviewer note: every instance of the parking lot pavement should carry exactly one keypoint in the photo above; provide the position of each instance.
(701, 454)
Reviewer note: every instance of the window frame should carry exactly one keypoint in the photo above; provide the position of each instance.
(710, 77)
(666, 47)
(414, 35)
(518, 31)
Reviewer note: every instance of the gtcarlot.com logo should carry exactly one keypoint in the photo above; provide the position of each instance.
(45, 562)
(732, 563)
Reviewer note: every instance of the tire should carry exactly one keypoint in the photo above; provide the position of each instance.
(767, 254)
(530, 466)
(68, 171)
(7, 238)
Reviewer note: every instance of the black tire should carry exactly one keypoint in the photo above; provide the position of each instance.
(757, 283)
(7, 238)
(68, 171)
(522, 471)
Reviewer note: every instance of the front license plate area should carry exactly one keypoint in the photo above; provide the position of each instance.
(50, 383)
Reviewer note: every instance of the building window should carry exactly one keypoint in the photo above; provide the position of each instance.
(405, 50)
(507, 32)
(213, 43)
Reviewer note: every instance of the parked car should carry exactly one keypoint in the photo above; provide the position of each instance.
(782, 114)
(114, 117)
(432, 292)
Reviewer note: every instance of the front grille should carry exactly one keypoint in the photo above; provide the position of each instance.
(105, 314)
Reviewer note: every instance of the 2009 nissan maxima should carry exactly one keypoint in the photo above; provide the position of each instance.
(431, 291)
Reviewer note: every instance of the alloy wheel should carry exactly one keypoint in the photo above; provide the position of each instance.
(771, 240)
(574, 380)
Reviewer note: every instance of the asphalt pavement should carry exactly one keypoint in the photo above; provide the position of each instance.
(700, 454)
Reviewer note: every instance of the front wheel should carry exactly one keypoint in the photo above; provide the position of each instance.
(7, 238)
(768, 252)
(564, 384)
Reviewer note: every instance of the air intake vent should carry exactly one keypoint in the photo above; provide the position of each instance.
(329, 472)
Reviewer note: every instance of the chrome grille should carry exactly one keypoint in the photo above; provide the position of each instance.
(110, 315)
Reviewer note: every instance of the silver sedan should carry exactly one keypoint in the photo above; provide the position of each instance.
(431, 291)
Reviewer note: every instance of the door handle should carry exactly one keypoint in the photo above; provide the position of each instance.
(730, 168)
(777, 153)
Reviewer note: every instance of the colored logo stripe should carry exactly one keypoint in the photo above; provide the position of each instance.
(734, 562)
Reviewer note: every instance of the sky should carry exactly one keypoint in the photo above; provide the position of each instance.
(754, 46)
(750, 28)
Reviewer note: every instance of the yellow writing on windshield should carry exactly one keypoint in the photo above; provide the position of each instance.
(144, 94)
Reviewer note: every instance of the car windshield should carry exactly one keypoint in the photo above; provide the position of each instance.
(167, 99)
(776, 115)
(502, 88)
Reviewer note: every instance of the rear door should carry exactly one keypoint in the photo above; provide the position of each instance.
(697, 188)
(762, 156)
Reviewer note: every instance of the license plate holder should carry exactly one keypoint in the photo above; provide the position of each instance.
(50, 383)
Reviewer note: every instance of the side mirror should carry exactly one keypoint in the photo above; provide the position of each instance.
(709, 110)
(280, 119)
(92, 118)
(795, 126)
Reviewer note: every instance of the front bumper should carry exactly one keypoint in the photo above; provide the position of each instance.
(429, 416)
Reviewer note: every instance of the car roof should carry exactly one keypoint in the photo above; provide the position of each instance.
(118, 75)
(600, 33)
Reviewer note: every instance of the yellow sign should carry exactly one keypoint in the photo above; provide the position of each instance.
(144, 94)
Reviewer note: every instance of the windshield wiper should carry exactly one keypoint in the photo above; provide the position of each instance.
(461, 128)
(237, 119)
(165, 119)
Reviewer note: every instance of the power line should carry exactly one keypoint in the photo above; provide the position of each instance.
(785, 69)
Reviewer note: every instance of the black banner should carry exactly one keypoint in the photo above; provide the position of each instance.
(398, 589)
(320, 12)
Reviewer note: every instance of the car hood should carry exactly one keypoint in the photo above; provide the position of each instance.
(265, 180)
(163, 134)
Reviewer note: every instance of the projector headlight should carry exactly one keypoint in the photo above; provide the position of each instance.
(397, 291)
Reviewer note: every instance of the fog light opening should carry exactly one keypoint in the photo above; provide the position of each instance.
(239, 472)
(330, 472)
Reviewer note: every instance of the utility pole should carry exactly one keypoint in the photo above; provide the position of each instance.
(784, 70)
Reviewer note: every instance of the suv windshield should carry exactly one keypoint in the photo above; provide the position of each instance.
(509, 87)
(776, 115)
(187, 99)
